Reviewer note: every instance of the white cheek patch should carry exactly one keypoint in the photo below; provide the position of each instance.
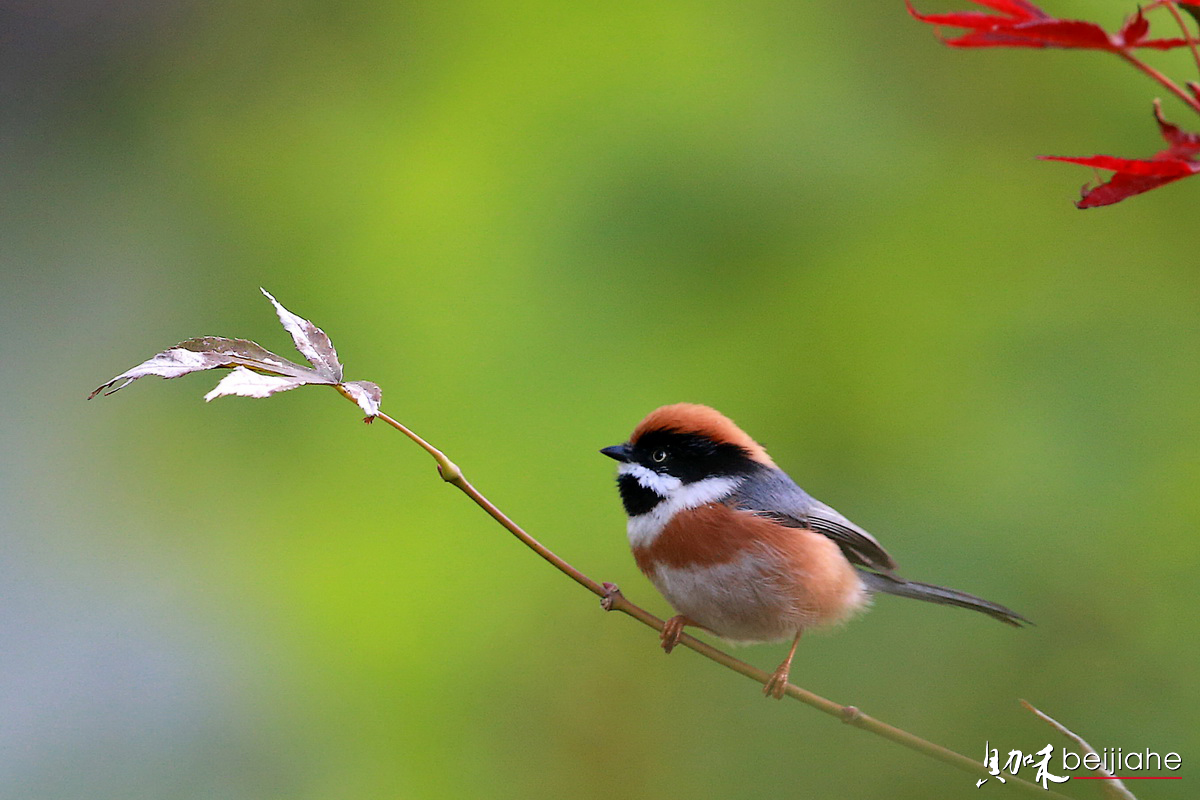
(645, 528)
(661, 485)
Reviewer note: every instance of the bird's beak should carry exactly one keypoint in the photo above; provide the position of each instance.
(620, 452)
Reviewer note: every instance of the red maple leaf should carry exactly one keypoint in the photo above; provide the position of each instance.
(1133, 176)
(1019, 23)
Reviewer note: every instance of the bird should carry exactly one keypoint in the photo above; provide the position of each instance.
(739, 549)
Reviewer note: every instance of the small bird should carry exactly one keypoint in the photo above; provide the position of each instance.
(738, 549)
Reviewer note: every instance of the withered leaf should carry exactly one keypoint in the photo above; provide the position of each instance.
(257, 372)
(310, 340)
(368, 395)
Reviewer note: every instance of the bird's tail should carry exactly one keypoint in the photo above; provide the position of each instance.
(941, 595)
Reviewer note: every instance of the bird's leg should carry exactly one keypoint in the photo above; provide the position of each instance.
(777, 685)
(672, 630)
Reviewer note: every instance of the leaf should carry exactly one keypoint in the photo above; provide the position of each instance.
(1120, 186)
(257, 372)
(1022, 24)
(1134, 29)
(1182, 144)
(1132, 176)
(310, 340)
(211, 352)
(366, 394)
(1039, 33)
(1142, 167)
(248, 383)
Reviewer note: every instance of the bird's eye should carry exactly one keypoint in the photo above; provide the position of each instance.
(659, 456)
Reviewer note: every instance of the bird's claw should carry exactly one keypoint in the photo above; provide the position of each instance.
(672, 631)
(777, 685)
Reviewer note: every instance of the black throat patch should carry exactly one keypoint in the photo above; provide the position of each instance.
(636, 498)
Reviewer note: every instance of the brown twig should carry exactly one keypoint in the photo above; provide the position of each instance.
(1171, 85)
(613, 600)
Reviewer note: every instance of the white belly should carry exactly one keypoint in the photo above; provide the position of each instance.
(745, 601)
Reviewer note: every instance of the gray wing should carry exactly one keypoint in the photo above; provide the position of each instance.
(772, 494)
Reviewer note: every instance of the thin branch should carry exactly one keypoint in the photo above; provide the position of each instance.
(1113, 787)
(1171, 85)
(1187, 32)
(451, 474)
(613, 600)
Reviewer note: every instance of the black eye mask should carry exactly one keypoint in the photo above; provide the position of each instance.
(691, 457)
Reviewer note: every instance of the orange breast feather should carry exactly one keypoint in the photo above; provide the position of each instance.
(807, 566)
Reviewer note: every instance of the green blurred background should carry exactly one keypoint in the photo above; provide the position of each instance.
(531, 223)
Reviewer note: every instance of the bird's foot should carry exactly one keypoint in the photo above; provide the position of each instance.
(672, 630)
(777, 686)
